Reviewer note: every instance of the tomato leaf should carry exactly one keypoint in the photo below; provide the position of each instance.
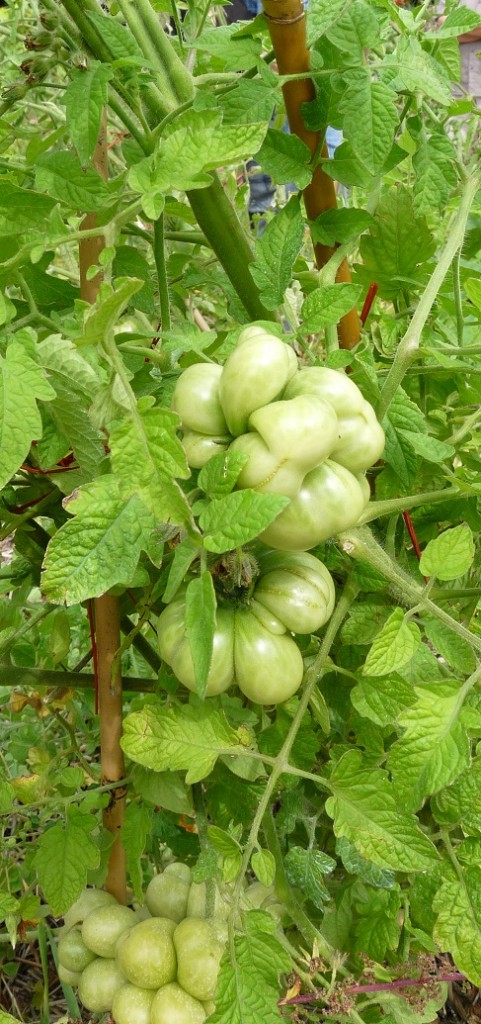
(365, 808)
(435, 748)
(22, 385)
(64, 856)
(100, 547)
(458, 925)
(248, 988)
(450, 555)
(182, 738)
(200, 607)
(276, 251)
(393, 647)
(239, 517)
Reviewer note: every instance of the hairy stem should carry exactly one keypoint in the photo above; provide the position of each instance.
(160, 264)
(361, 544)
(408, 348)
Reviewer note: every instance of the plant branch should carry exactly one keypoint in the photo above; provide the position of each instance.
(161, 268)
(408, 348)
(361, 544)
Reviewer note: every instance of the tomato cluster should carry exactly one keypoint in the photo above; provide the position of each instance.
(158, 964)
(252, 645)
(307, 433)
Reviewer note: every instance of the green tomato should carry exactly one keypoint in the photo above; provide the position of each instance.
(132, 1005)
(303, 430)
(103, 926)
(199, 953)
(73, 954)
(174, 648)
(330, 500)
(172, 1005)
(147, 955)
(196, 399)
(199, 448)
(268, 667)
(263, 897)
(71, 978)
(98, 985)
(265, 471)
(87, 901)
(298, 589)
(255, 373)
(361, 440)
(197, 901)
(167, 894)
(332, 386)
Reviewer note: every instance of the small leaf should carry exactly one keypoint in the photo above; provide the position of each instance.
(200, 607)
(184, 554)
(276, 251)
(61, 175)
(218, 477)
(327, 305)
(85, 99)
(239, 517)
(339, 226)
(65, 855)
(285, 158)
(394, 646)
(450, 555)
(136, 828)
(306, 869)
(264, 866)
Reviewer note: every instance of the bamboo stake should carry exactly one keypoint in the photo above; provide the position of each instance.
(287, 26)
(107, 611)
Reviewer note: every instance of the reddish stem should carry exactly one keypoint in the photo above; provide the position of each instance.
(29, 504)
(368, 301)
(93, 638)
(387, 986)
(46, 472)
(414, 540)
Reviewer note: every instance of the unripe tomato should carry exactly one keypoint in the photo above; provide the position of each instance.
(167, 893)
(196, 399)
(255, 373)
(361, 440)
(268, 667)
(361, 437)
(199, 448)
(298, 589)
(175, 649)
(71, 978)
(332, 386)
(172, 1005)
(103, 926)
(132, 1005)
(199, 954)
(330, 500)
(303, 430)
(99, 983)
(87, 901)
(73, 954)
(265, 471)
(147, 956)
(196, 903)
(263, 897)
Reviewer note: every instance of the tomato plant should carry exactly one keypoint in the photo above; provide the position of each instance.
(239, 472)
